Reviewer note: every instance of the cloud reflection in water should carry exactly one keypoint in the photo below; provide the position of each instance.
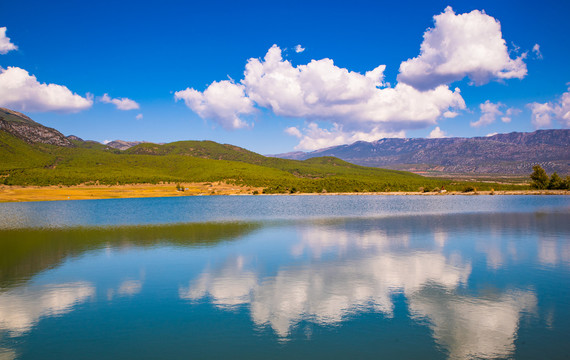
(349, 272)
(21, 308)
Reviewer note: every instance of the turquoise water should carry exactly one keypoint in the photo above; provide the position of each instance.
(396, 277)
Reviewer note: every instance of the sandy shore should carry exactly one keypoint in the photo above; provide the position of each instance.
(83, 192)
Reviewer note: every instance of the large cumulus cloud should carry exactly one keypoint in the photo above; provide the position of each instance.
(342, 106)
(23, 92)
(458, 46)
(357, 106)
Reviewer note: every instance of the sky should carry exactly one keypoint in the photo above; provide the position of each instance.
(275, 77)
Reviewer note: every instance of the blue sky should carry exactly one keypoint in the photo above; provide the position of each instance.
(150, 53)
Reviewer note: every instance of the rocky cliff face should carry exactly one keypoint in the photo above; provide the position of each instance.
(513, 153)
(122, 144)
(30, 131)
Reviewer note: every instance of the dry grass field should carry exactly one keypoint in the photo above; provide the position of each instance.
(84, 192)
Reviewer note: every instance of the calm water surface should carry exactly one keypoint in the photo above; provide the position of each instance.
(438, 277)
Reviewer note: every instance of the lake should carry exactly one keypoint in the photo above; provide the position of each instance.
(257, 277)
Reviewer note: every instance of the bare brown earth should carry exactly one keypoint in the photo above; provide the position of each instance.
(83, 192)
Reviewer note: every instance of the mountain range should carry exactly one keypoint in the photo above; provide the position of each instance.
(514, 153)
(509, 154)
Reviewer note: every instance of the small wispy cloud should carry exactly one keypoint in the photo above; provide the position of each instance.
(490, 111)
(120, 103)
(536, 51)
(293, 131)
(139, 117)
(543, 114)
(5, 44)
(437, 133)
(450, 114)
(509, 114)
(299, 49)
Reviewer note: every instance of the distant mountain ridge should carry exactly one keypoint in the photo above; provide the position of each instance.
(513, 153)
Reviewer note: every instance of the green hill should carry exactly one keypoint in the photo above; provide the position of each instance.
(24, 163)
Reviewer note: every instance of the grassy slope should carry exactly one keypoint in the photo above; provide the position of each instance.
(193, 161)
(16, 154)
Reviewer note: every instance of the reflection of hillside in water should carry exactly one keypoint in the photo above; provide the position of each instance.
(25, 252)
(342, 268)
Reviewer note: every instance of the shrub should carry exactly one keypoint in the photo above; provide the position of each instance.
(556, 182)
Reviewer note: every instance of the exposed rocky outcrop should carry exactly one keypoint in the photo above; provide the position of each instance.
(75, 138)
(513, 153)
(122, 144)
(30, 131)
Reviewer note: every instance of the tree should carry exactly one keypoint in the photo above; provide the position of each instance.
(567, 183)
(556, 182)
(539, 178)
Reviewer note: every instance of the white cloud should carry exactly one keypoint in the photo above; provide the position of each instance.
(222, 101)
(322, 91)
(21, 308)
(228, 287)
(509, 114)
(469, 44)
(437, 133)
(315, 138)
(5, 44)
(335, 275)
(450, 114)
(21, 91)
(489, 113)
(299, 49)
(105, 142)
(474, 327)
(491, 134)
(536, 51)
(357, 105)
(120, 103)
(139, 117)
(323, 291)
(130, 288)
(543, 114)
(293, 131)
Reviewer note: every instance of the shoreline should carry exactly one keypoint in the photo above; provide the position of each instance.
(98, 192)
